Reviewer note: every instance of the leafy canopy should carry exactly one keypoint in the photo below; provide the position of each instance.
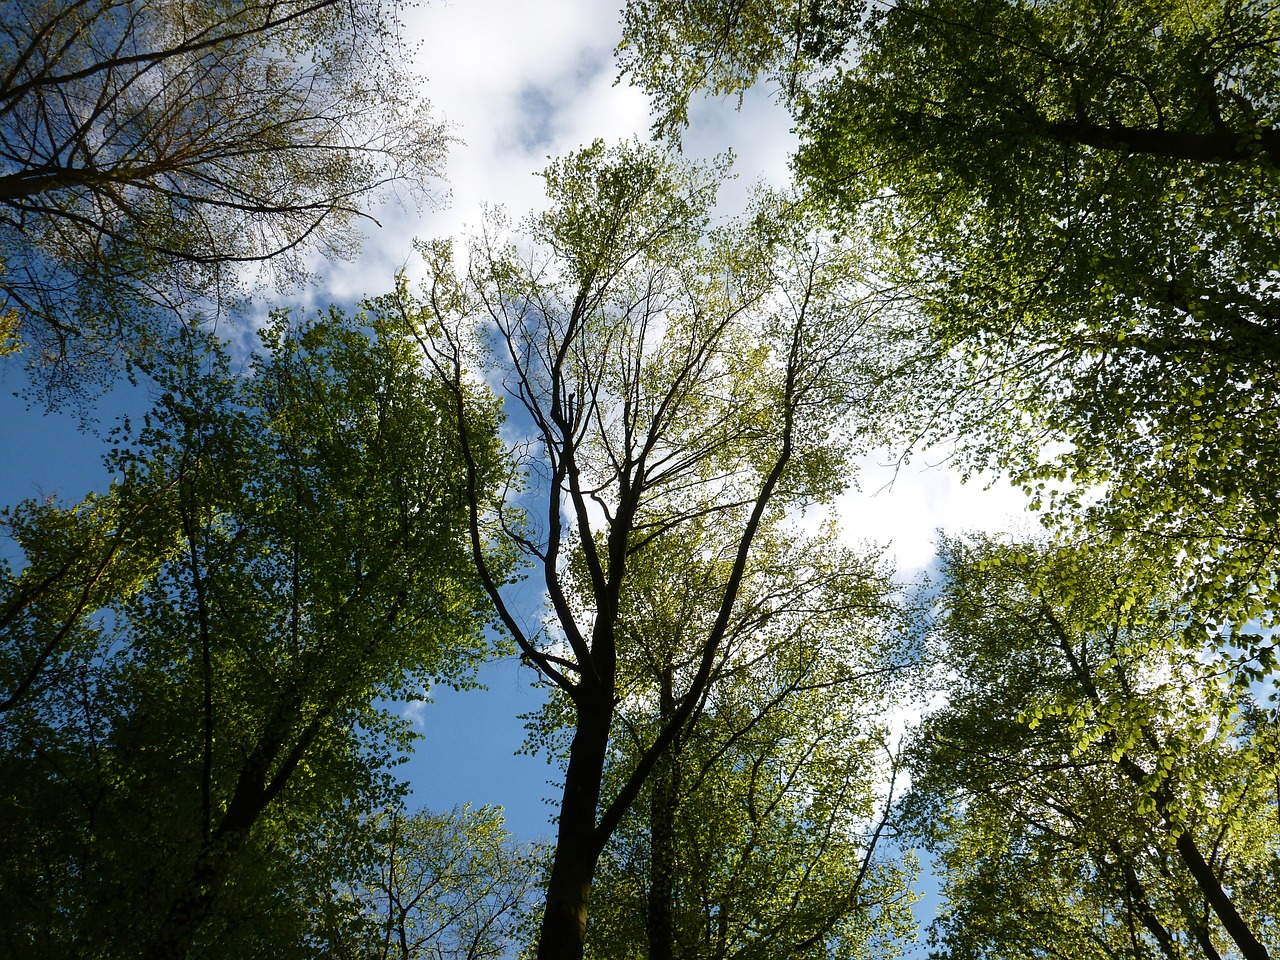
(1082, 199)
(196, 663)
(1095, 783)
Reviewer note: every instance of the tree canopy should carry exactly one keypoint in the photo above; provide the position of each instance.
(675, 382)
(1042, 232)
(1082, 196)
(1095, 786)
(151, 152)
(451, 886)
(193, 661)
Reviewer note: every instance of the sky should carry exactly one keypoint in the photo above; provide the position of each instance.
(520, 83)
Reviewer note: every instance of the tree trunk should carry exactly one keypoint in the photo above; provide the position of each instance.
(195, 902)
(662, 841)
(564, 924)
(1235, 925)
(253, 793)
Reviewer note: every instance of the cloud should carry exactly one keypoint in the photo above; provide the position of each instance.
(903, 508)
(415, 711)
(520, 83)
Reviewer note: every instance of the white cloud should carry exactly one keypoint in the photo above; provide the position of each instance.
(903, 508)
(415, 711)
(520, 83)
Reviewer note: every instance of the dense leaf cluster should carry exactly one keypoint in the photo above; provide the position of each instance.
(193, 662)
(1096, 783)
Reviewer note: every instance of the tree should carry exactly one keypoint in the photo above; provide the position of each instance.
(1082, 194)
(1095, 786)
(76, 562)
(151, 152)
(759, 832)
(195, 746)
(674, 381)
(449, 885)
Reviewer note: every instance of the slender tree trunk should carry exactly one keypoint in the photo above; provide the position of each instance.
(1206, 879)
(254, 791)
(662, 828)
(564, 924)
(1235, 925)
(1201, 871)
(1140, 907)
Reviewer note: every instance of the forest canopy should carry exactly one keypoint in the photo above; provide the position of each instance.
(611, 444)
(195, 662)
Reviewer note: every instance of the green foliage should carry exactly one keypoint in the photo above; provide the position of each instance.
(612, 204)
(761, 827)
(1099, 183)
(678, 49)
(193, 661)
(1089, 752)
(1082, 198)
(437, 886)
